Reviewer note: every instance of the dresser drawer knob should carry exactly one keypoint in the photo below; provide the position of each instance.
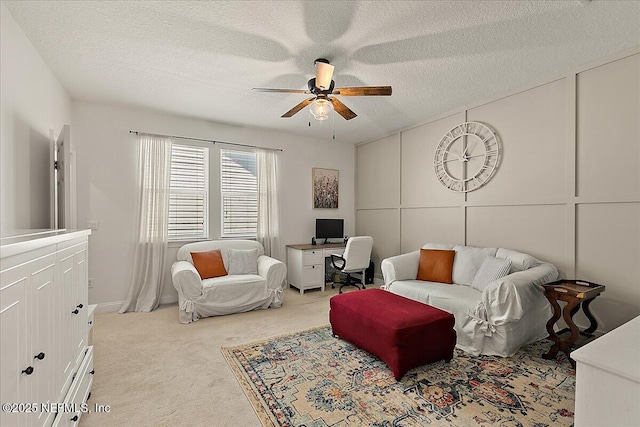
(75, 311)
(39, 356)
(28, 371)
(79, 305)
(93, 371)
(75, 418)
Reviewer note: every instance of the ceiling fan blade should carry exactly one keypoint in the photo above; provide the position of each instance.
(363, 91)
(342, 109)
(265, 89)
(299, 107)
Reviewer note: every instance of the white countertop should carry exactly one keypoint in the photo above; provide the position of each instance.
(19, 241)
(617, 352)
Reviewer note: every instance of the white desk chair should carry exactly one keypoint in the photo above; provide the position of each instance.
(356, 259)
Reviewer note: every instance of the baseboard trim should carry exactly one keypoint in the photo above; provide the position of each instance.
(168, 299)
(113, 307)
(109, 307)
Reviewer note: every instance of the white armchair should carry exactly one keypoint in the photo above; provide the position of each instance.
(229, 294)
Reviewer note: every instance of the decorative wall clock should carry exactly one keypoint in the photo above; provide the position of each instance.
(467, 157)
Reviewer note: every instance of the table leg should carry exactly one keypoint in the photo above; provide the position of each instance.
(567, 315)
(575, 309)
(593, 323)
(566, 345)
(552, 334)
(562, 345)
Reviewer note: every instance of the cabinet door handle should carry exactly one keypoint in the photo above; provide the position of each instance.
(91, 322)
(93, 371)
(39, 356)
(75, 311)
(313, 266)
(28, 371)
(79, 306)
(75, 418)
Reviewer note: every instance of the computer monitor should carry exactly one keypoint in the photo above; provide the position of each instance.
(329, 229)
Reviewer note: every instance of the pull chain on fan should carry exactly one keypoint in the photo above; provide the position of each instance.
(325, 115)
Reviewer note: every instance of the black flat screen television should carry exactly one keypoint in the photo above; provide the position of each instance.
(329, 229)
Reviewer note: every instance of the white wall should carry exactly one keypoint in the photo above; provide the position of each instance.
(32, 102)
(106, 185)
(567, 189)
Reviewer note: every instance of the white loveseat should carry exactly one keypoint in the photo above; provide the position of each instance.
(218, 296)
(509, 313)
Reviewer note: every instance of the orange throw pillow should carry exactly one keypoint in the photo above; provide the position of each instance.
(436, 265)
(209, 264)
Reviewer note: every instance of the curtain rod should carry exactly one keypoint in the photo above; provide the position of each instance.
(213, 141)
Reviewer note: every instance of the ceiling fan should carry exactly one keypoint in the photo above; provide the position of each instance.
(322, 87)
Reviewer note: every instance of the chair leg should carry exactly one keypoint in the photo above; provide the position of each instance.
(350, 283)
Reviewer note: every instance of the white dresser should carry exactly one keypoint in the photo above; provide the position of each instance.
(305, 264)
(608, 379)
(45, 362)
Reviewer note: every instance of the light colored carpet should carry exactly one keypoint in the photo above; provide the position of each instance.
(311, 378)
(153, 371)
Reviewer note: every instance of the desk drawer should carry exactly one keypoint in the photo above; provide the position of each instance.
(312, 275)
(312, 257)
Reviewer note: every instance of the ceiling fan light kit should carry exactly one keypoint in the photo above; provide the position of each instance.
(320, 109)
(321, 86)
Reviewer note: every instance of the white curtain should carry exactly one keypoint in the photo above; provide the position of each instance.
(268, 217)
(152, 213)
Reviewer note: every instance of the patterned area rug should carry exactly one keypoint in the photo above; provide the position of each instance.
(312, 379)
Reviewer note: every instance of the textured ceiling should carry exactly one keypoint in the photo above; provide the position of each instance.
(200, 59)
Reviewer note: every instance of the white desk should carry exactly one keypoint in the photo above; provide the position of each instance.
(305, 264)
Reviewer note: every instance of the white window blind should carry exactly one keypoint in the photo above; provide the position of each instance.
(239, 187)
(188, 195)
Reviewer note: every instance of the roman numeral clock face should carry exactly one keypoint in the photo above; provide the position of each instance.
(466, 157)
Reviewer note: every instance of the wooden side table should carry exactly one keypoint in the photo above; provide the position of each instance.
(575, 293)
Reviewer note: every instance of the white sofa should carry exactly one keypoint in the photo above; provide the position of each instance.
(227, 294)
(509, 313)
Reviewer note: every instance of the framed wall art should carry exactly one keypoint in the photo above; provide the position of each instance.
(325, 184)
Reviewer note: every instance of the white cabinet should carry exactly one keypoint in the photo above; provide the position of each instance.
(43, 323)
(305, 265)
(72, 261)
(90, 312)
(13, 334)
(45, 335)
(608, 379)
(79, 392)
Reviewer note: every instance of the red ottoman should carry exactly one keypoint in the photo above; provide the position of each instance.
(402, 332)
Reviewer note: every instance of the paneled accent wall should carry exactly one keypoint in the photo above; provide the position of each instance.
(567, 189)
(378, 195)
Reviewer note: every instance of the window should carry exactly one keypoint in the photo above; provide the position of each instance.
(188, 194)
(239, 187)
